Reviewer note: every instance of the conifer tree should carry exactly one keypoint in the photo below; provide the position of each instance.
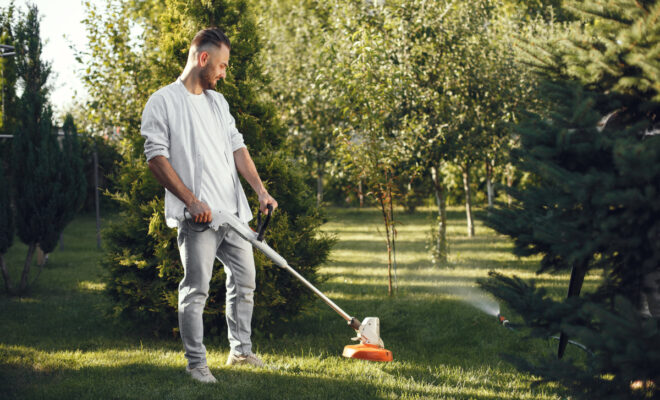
(595, 154)
(46, 180)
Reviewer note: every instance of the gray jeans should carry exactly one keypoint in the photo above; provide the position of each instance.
(198, 251)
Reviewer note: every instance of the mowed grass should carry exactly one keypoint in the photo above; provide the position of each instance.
(58, 343)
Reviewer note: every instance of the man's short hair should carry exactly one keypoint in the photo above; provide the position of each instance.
(214, 36)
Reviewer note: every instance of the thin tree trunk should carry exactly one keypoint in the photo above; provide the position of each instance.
(41, 256)
(26, 267)
(97, 204)
(509, 182)
(319, 185)
(468, 199)
(386, 219)
(489, 184)
(393, 227)
(360, 194)
(441, 202)
(41, 267)
(5, 275)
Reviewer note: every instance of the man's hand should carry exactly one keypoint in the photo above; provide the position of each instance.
(200, 212)
(264, 200)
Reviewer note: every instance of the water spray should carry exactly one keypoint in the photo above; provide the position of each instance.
(487, 305)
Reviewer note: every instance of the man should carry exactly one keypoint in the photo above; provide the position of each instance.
(195, 151)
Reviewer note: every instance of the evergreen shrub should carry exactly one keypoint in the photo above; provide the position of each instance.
(142, 257)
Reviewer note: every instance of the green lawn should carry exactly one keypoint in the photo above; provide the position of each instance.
(58, 344)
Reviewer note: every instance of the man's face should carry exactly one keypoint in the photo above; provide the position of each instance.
(214, 65)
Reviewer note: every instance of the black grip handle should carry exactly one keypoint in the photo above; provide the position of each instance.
(261, 229)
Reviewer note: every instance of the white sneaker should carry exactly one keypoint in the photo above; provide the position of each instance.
(201, 374)
(240, 359)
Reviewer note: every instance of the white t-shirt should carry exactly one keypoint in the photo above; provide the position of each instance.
(217, 188)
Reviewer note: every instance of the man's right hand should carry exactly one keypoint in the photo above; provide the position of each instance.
(200, 212)
(165, 174)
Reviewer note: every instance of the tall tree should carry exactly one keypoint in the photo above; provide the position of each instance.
(595, 154)
(47, 185)
(35, 148)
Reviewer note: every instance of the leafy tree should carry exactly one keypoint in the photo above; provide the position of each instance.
(142, 257)
(370, 138)
(595, 155)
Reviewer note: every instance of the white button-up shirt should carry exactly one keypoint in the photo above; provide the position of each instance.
(168, 129)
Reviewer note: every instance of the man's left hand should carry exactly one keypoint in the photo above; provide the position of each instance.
(264, 200)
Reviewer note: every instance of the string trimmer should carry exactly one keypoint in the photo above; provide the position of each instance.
(371, 346)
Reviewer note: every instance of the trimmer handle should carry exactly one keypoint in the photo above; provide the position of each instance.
(261, 229)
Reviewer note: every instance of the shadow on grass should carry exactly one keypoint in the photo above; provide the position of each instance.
(140, 381)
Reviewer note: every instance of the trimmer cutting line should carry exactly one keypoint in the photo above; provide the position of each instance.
(371, 346)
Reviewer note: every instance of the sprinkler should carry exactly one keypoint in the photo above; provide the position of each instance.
(505, 322)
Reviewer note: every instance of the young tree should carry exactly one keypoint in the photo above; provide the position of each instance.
(370, 83)
(595, 154)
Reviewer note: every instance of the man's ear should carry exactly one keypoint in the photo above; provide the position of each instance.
(203, 58)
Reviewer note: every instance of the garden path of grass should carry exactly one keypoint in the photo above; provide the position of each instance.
(57, 343)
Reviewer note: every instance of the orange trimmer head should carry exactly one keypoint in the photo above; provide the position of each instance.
(371, 346)
(370, 352)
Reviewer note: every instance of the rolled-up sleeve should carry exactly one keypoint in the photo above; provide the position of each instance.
(234, 135)
(155, 129)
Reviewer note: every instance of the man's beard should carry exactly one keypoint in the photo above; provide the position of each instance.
(206, 79)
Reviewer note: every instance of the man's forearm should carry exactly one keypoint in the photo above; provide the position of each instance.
(248, 170)
(166, 176)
